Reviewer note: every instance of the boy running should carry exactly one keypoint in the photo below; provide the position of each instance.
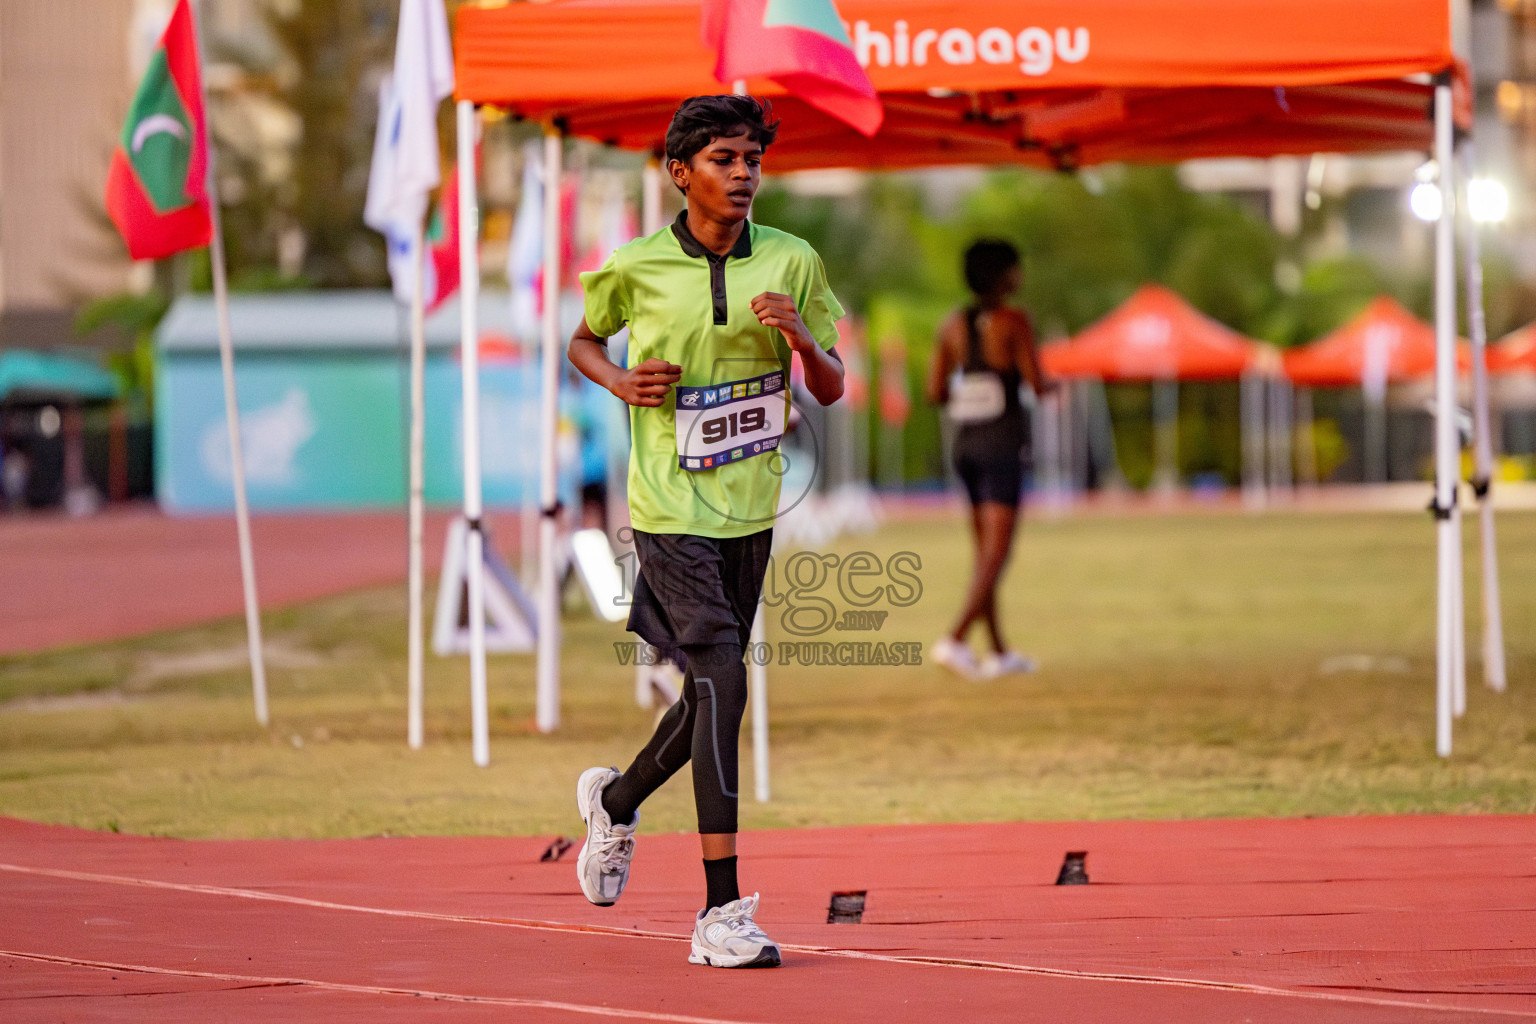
(715, 306)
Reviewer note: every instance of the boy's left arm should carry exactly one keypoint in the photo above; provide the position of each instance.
(823, 367)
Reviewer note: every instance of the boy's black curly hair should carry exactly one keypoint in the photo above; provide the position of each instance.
(986, 261)
(702, 119)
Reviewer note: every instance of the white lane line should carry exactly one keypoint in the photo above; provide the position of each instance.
(851, 954)
(372, 990)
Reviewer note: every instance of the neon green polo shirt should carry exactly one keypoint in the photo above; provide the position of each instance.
(690, 307)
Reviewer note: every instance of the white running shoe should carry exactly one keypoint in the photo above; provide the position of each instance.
(602, 867)
(955, 656)
(1008, 663)
(728, 937)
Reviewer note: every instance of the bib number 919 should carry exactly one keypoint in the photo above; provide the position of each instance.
(747, 421)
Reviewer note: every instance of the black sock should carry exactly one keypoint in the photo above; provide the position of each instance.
(620, 811)
(720, 877)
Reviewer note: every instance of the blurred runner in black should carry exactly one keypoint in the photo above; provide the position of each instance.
(984, 353)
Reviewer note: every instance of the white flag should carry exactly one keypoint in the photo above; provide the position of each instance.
(405, 166)
(525, 251)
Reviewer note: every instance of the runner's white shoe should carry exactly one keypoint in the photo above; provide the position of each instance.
(955, 656)
(1007, 663)
(602, 867)
(728, 937)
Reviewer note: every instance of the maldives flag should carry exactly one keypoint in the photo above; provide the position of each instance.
(157, 192)
(800, 44)
(442, 276)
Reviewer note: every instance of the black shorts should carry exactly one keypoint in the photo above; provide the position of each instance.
(697, 590)
(992, 459)
(993, 479)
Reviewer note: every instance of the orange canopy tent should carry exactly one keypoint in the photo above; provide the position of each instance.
(1044, 82)
(1154, 335)
(1061, 83)
(1515, 352)
(1384, 339)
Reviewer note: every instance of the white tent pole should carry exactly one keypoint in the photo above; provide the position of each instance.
(469, 348)
(1250, 424)
(650, 223)
(415, 654)
(1279, 397)
(757, 673)
(1482, 472)
(1446, 447)
(232, 418)
(548, 672)
(650, 197)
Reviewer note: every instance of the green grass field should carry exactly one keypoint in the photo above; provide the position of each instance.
(1205, 665)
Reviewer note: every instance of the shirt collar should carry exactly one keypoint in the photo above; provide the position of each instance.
(693, 247)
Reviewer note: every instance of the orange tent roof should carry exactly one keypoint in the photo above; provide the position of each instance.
(1405, 344)
(1047, 82)
(1153, 335)
(1515, 351)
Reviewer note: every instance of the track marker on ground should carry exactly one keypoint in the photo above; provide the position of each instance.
(830, 951)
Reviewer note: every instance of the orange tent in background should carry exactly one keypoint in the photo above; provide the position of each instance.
(1515, 351)
(1046, 82)
(1154, 335)
(1384, 339)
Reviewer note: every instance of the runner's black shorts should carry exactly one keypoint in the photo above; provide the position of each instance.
(992, 459)
(697, 591)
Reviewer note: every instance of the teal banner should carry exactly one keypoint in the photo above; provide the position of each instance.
(328, 431)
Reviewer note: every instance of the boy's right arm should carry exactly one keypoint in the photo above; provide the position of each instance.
(646, 384)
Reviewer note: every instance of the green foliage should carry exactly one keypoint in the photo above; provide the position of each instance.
(1327, 441)
(136, 316)
(321, 73)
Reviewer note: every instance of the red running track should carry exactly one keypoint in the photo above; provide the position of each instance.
(133, 571)
(1408, 920)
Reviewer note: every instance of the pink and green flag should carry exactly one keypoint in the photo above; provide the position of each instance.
(157, 191)
(800, 44)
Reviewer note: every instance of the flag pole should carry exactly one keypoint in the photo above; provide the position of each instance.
(1482, 472)
(469, 341)
(232, 414)
(414, 652)
(547, 685)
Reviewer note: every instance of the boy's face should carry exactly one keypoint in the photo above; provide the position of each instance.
(722, 178)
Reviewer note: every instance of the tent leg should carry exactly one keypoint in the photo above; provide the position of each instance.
(650, 197)
(1250, 421)
(548, 673)
(1306, 455)
(469, 348)
(1446, 446)
(1165, 418)
(1482, 472)
(1279, 397)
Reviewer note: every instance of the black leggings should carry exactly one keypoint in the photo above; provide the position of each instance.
(697, 595)
(703, 726)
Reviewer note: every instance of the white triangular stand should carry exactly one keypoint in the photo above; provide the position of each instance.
(510, 619)
(589, 556)
(657, 685)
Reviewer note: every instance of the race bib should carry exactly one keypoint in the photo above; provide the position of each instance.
(729, 422)
(976, 397)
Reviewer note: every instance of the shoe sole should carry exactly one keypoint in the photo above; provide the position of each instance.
(584, 807)
(768, 956)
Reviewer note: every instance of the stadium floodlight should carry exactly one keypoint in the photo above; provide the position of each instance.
(1426, 202)
(1487, 200)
